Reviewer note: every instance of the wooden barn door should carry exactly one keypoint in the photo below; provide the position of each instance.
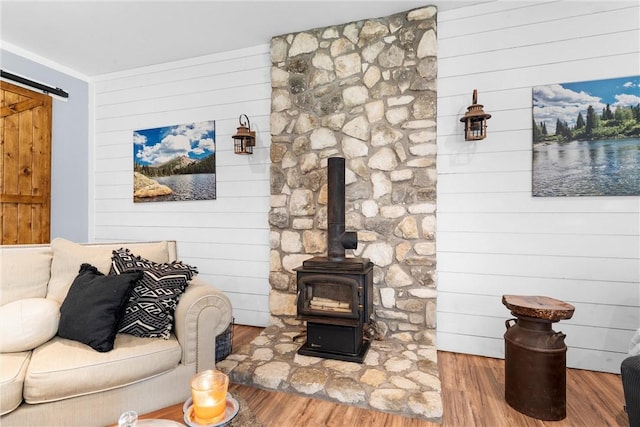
(25, 165)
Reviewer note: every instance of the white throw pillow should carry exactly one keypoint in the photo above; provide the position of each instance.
(27, 323)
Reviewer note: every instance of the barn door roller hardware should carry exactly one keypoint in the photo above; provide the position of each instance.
(44, 88)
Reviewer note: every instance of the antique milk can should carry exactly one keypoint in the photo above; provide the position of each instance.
(535, 357)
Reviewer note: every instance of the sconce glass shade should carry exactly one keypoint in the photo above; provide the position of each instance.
(475, 120)
(245, 139)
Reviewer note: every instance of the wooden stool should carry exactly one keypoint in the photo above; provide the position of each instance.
(535, 356)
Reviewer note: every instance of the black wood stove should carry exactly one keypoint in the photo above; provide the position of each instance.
(335, 293)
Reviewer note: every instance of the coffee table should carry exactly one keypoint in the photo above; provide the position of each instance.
(157, 422)
(171, 413)
(245, 417)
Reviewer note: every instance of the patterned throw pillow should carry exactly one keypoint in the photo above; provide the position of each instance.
(151, 306)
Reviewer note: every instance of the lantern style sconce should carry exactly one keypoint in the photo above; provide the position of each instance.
(245, 139)
(475, 120)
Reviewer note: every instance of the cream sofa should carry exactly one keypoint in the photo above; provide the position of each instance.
(62, 382)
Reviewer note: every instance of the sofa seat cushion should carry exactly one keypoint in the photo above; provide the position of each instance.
(13, 369)
(63, 368)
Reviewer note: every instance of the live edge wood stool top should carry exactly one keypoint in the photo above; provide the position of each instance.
(538, 307)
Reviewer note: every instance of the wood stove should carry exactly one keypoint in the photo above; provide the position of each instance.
(335, 293)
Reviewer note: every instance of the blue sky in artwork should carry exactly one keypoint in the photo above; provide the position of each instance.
(159, 145)
(564, 101)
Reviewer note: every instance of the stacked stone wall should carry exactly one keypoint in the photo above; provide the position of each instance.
(365, 91)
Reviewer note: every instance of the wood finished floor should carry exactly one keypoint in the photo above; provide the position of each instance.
(472, 395)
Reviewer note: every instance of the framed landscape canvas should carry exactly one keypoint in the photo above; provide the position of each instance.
(175, 163)
(586, 138)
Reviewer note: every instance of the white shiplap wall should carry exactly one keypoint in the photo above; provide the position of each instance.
(493, 237)
(227, 238)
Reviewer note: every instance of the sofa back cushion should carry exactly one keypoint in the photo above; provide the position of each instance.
(24, 273)
(69, 256)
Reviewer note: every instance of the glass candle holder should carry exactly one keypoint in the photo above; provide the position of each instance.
(128, 419)
(209, 393)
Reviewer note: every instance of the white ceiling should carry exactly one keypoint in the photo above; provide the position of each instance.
(99, 37)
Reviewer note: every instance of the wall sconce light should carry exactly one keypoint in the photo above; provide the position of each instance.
(475, 120)
(245, 139)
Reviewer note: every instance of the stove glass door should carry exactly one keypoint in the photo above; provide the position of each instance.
(328, 295)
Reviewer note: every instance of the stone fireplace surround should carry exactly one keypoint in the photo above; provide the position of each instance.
(365, 91)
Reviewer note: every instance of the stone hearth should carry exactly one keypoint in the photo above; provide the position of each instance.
(396, 377)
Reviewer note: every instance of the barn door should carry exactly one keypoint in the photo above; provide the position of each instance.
(25, 165)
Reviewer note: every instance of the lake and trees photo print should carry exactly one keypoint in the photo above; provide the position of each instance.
(586, 138)
(175, 163)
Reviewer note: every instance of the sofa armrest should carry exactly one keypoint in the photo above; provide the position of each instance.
(203, 313)
(630, 374)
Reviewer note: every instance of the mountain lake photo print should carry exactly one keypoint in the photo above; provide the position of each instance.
(175, 163)
(586, 138)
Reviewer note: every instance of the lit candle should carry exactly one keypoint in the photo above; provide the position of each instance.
(209, 393)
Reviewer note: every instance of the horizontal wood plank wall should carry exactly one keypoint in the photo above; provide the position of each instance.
(494, 238)
(227, 238)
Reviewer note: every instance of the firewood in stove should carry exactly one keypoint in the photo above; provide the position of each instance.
(329, 304)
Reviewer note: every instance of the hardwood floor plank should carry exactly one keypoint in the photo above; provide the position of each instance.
(472, 395)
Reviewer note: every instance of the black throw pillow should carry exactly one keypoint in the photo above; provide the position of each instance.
(153, 300)
(92, 309)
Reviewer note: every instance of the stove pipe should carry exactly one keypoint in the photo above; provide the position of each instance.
(337, 239)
